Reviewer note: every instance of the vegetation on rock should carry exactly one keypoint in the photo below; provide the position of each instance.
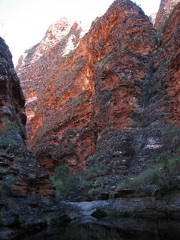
(66, 182)
(161, 178)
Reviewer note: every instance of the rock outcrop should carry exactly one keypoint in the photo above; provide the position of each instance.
(93, 88)
(166, 63)
(107, 106)
(27, 201)
(166, 7)
(60, 39)
(19, 171)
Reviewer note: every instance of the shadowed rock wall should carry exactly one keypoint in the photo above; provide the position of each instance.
(19, 171)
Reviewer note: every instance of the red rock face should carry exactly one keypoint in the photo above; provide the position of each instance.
(60, 39)
(107, 103)
(167, 62)
(91, 92)
(166, 7)
(19, 170)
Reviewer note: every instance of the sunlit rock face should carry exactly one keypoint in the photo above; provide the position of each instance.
(19, 171)
(60, 39)
(89, 93)
(152, 18)
(166, 7)
(167, 65)
(102, 104)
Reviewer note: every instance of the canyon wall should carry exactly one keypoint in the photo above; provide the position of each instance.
(166, 63)
(19, 171)
(109, 104)
(93, 88)
(60, 39)
(166, 7)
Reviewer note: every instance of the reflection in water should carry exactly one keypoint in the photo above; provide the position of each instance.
(119, 229)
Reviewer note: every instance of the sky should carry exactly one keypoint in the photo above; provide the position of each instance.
(23, 23)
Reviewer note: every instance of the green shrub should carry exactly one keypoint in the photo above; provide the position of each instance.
(66, 182)
(95, 192)
(6, 142)
(5, 191)
(12, 128)
(163, 174)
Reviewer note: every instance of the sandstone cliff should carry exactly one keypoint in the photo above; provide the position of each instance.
(83, 91)
(166, 7)
(166, 63)
(60, 39)
(27, 201)
(19, 171)
(108, 105)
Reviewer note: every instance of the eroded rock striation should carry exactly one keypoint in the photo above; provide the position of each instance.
(26, 194)
(92, 89)
(167, 65)
(19, 170)
(60, 39)
(108, 105)
(166, 7)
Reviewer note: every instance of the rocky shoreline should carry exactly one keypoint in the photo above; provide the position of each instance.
(37, 215)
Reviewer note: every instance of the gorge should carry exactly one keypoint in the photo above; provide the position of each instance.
(103, 118)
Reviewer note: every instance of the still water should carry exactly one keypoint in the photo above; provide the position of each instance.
(114, 229)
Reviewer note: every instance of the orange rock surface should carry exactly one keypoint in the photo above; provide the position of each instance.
(167, 61)
(104, 97)
(89, 89)
(166, 7)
